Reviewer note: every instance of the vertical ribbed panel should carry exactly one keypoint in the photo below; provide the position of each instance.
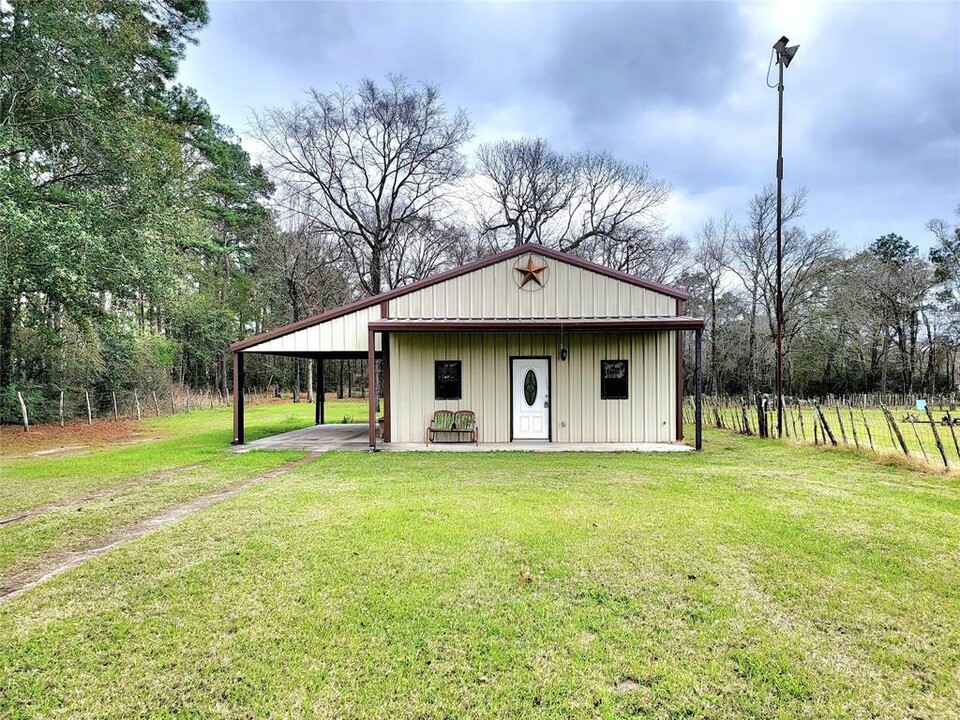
(649, 415)
(569, 291)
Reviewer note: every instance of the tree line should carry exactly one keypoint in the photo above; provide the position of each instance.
(882, 319)
(139, 239)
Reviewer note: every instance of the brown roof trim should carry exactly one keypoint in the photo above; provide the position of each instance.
(681, 309)
(667, 322)
(325, 355)
(457, 272)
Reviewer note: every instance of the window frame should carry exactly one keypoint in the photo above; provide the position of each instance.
(604, 394)
(436, 379)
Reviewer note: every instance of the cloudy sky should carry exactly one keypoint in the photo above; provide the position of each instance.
(872, 101)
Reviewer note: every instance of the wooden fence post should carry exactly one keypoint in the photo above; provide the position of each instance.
(892, 423)
(156, 402)
(953, 434)
(761, 416)
(843, 431)
(826, 427)
(936, 437)
(853, 427)
(89, 412)
(61, 408)
(893, 440)
(116, 415)
(916, 434)
(803, 429)
(136, 399)
(23, 410)
(863, 414)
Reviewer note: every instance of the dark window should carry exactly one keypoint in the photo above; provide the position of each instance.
(446, 384)
(613, 379)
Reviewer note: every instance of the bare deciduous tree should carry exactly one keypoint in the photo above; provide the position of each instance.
(298, 264)
(376, 161)
(751, 250)
(530, 186)
(711, 259)
(899, 282)
(809, 263)
(616, 203)
(654, 255)
(423, 248)
(590, 204)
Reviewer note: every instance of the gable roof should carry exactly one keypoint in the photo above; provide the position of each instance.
(456, 272)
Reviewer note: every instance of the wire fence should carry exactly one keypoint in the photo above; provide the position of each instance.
(878, 423)
(928, 430)
(35, 405)
(68, 405)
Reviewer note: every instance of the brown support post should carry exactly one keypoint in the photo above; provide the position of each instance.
(321, 395)
(698, 381)
(385, 370)
(372, 386)
(681, 308)
(238, 398)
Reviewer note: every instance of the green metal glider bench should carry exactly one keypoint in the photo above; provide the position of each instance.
(460, 424)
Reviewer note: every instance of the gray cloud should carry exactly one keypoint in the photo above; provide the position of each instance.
(611, 58)
(872, 114)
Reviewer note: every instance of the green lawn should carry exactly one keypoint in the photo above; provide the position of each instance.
(751, 580)
(180, 440)
(348, 411)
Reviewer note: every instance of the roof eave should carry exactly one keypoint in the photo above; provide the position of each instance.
(449, 275)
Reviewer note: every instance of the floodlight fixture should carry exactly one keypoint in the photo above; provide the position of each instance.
(786, 55)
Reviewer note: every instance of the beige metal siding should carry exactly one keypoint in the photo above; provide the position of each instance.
(344, 333)
(577, 413)
(569, 291)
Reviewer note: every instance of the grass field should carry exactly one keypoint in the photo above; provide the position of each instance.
(755, 579)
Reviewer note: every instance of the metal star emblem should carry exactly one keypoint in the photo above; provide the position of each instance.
(531, 272)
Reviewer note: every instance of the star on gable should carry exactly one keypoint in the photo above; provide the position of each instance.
(531, 272)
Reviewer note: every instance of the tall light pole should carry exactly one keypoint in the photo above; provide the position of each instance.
(784, 56)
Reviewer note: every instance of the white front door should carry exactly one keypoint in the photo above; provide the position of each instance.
(531, 398)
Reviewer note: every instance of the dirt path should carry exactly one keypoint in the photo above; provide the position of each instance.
(73, 437)
(54, 565)
(99, 494)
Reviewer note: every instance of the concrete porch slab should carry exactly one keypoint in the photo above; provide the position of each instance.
(316, 438)
(534, 446)
(321, 438)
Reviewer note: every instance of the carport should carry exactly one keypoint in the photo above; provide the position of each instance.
(339, 334)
